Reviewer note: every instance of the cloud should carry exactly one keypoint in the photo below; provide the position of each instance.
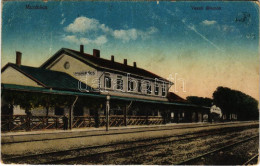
(82, 24)
(208, 22)
(147, 34)
(100, 40)
(227, 28)
(70, 38)
(97, 32)
(125, 35)
(133, 34)
(104, 28)
(74, 39)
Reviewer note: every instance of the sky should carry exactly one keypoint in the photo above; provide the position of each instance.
(198, 50)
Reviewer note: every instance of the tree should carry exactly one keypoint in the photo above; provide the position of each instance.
(201, 101)
(30, 100)
(53, 100)
(25, 100)
(233, 101)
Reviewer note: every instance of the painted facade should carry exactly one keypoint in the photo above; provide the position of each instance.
(136, 92)
(12, 76)
(119, 83)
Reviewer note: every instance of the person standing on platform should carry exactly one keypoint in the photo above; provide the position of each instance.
(65, 122)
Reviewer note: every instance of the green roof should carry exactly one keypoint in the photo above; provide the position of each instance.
(95, 95)
(50, 91)
(49, 78)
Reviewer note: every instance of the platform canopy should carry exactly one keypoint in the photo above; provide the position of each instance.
(91, 94)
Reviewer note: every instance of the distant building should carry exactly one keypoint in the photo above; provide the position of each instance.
(216, 110)
(217, 113)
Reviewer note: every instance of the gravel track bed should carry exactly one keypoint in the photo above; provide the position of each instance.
(236, 155)
(170, 153)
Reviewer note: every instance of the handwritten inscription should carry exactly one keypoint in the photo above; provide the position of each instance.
(82, 73)
(244, 18)
(36, 7)
(205, 7)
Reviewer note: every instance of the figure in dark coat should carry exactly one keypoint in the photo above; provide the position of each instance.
(65, 122)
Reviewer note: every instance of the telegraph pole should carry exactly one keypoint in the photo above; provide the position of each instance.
(107, 112)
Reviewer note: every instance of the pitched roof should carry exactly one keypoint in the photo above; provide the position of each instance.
(104, 64)
(48, 78)
(172, 97)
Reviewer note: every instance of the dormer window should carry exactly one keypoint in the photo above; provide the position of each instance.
(107, 80)
(119, 83)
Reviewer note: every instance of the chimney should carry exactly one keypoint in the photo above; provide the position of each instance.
(18, 58)
(96, 53)
(125, 61)
(135, 64)
(112, 58)
(82, 48)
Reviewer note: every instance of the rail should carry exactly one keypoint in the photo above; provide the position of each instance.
(100, 150)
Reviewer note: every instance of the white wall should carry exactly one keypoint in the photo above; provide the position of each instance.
(125, 78)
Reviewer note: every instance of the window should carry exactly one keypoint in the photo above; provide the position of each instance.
(148, 88)
(107, 81)
(163, 89)
(156, 89)
(66, 65)
(130, 85)
(139, 86)
(119, 83)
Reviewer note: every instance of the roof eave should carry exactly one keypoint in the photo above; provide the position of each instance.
(62, 50)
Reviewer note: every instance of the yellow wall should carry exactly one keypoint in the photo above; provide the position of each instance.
(12, 76)
(75, 66)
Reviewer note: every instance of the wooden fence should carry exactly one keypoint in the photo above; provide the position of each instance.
(30, 123)
(23, 122)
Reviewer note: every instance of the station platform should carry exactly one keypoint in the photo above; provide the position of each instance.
(37, 142)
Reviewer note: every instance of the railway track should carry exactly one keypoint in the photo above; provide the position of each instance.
(194, 160)
(74, 154)
(252, 160)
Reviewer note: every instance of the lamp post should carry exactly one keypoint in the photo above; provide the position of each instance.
(107, 112)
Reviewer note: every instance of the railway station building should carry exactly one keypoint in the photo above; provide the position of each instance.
(86, 87)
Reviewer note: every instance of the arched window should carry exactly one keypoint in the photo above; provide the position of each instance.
(107, 81)
(139, 86)
(148, 87)
(130, 85)
(156, 88)
(119, 83)
(163, 89)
